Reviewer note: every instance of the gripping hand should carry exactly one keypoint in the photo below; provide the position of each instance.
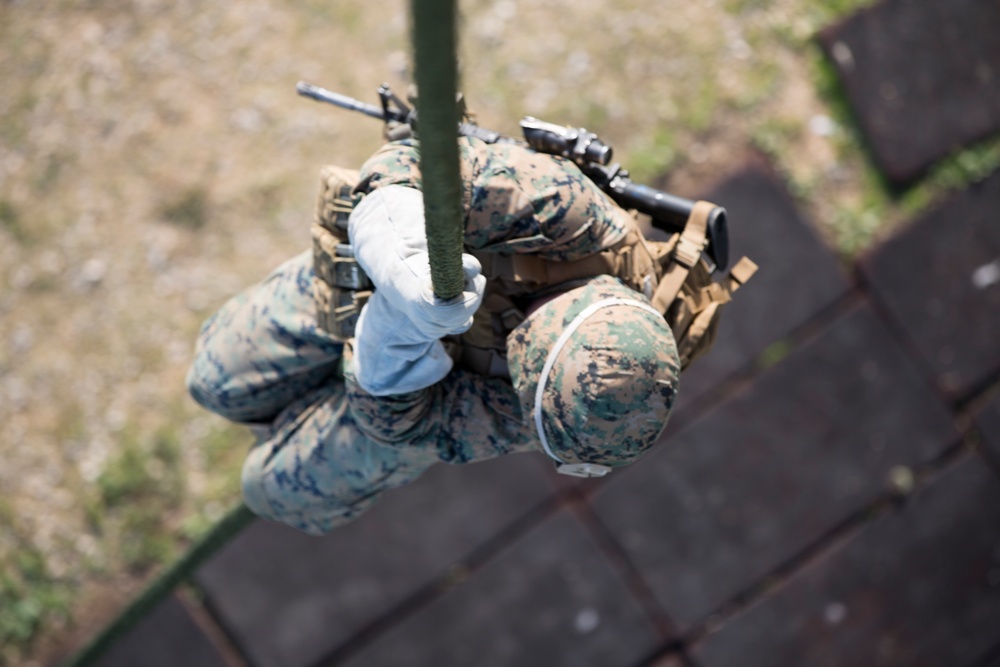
(387, 233)
(436, 318)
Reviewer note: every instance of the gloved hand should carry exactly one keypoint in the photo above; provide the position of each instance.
(435, 318)
(387, 232)
(391, 356)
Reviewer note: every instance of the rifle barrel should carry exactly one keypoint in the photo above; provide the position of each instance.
(343, 101)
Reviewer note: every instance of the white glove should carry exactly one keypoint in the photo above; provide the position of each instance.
(387, 233)
(391, 356)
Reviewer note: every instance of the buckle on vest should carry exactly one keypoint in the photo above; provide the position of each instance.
(347, 273)
(688, 252)
(344, 316)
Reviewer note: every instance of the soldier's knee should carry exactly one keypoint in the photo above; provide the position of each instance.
(278, 494)
(226, 395)
(209, 390)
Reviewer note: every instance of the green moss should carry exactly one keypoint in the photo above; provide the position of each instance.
(773, 354)
(969, 166)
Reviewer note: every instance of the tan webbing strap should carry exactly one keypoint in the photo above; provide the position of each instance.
(741, 273)
(723, 290)
(334, 202)
(541, 271)
(699, 336)
(686, 254)
(603, 263)
(693, 239)
(633, 259)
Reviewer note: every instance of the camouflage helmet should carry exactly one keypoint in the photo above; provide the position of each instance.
(597, 369)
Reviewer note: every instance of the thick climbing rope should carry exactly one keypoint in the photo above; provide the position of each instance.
(434, 40)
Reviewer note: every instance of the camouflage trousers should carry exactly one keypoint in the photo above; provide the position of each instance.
(325, 449)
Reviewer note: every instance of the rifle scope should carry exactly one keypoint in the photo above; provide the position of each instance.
(576, 144)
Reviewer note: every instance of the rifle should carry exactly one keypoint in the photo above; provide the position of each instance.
(668, 212)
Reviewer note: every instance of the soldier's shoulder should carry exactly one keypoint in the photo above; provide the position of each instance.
(397, 162)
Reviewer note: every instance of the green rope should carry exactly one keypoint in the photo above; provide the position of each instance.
(434, 44)
(231, 524)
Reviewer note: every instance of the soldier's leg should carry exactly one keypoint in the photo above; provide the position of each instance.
(262, 349)
(314, 469)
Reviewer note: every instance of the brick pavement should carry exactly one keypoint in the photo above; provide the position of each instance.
(827, 494)
(922, 78)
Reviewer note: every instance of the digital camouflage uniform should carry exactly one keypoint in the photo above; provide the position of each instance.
(325, 449)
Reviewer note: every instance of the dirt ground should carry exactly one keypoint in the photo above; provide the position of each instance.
(155, 159)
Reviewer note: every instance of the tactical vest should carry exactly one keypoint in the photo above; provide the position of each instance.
(672, 274)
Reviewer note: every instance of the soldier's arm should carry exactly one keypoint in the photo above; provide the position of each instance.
(398, 348)
(464, 417)
(262, 350)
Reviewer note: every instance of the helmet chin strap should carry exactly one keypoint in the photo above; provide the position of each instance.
(575, 469)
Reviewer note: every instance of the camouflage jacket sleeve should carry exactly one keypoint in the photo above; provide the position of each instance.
(465, 417)
(516, 200)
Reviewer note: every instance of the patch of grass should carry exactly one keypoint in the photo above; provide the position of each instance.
(822, 12)
(224, 447)
(346, 15)
(856, 224)
(138, 491)
(10, 219)
(594, 115)
(957, 172)
(968, 166)
(51, 168)
(827, 82)
(761, 82)
(17, 115)
(698, 110)
(854, 228)
(774, 136)
(742, 6)
(189, 210)
(30, 597)
(653, 159)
